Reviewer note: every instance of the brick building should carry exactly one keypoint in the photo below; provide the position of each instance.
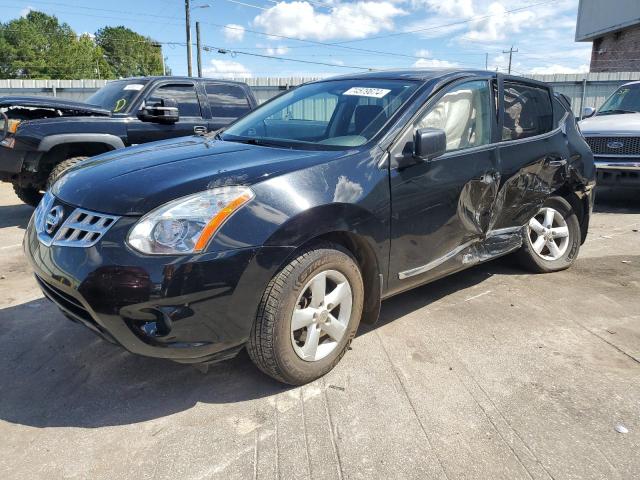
(613, 26)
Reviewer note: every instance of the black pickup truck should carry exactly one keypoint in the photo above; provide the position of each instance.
(41, 137)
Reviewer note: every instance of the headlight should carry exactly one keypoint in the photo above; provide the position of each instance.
(187, 224)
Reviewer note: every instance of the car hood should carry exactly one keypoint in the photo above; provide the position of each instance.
(67, 107)
(134, 181)
(621, 124)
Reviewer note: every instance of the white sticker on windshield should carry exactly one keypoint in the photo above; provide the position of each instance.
(367, 92)
(134, 86)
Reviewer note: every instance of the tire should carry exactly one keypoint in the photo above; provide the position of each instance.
(546, 259)
(59, 170)
(29, 195)
(275, 348)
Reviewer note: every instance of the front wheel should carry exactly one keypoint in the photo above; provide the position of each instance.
(60, 169)
(308, 315)
(29, 195)
(552, 238)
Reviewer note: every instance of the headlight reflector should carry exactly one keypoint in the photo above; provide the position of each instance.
(186, 225)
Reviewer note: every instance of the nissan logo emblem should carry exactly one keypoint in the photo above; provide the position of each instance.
(53, 219)
(615, 145)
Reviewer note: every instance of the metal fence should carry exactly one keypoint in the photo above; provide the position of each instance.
(584, 90)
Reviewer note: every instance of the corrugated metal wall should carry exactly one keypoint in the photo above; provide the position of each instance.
(598, 86)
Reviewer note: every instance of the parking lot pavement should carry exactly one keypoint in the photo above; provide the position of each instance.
(490, 374)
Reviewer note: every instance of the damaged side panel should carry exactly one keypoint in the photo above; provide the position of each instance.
(493, 205)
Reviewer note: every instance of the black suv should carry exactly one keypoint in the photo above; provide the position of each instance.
(41, 137)
(281, 233)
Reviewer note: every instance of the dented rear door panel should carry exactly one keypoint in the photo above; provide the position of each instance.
(532, 169)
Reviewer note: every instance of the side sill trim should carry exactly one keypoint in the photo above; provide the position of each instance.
(439, 261)
(435, 263)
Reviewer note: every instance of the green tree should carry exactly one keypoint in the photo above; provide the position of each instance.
(129, 53)
(39, 46)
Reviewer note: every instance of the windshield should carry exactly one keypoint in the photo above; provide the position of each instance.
(117, 96)
(624, 100)
(326, 115)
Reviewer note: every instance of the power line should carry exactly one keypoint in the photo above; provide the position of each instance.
(222, 50)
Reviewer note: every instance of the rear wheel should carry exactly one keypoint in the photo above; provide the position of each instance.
(308, 315)
(59, 170)
(552, 237)
(29, 195)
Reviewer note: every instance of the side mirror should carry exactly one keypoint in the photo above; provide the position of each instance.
(588, 112)
(165, 111)
(429, 143)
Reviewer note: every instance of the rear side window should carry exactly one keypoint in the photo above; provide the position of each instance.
(527, 111)
(227, 100)
(185, 95)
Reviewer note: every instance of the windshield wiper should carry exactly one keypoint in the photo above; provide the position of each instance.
(616, 110)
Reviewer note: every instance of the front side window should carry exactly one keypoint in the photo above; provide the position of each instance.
(527, 111)
(117, 96)
(227, 101)
(464, 113)
(185, 95)
(334, 114)
(624, 100)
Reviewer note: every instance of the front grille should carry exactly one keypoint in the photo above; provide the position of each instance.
(83, 229)
(614, 145)
(80, 229)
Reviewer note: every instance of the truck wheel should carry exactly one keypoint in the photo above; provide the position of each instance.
(29, 195)
(308, 315)
(62, 167)
(552, 238)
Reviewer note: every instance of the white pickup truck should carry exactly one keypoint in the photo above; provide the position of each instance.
(613, 133)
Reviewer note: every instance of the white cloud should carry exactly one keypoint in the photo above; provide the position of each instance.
(274, 49)
(233, 32)
(299, 19)
(499, 25)
(556, 68)
(423, 52)
(449, 8)
(227, 69)
(25, 11)
(434, 63)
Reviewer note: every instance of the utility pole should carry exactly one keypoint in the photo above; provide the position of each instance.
(486, 61)
(199, 46)
(511, 51)
(187, 11)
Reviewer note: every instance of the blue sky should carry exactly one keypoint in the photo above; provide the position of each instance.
(341, 33)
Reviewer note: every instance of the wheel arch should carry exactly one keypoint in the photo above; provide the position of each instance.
(353, 227)
(63, 151)
(580, 204)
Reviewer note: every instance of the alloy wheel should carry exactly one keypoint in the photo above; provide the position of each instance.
(549, 234)
(320, 319)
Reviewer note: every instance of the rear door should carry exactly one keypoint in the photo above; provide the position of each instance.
(226, 103)
(189, 108)
(532, 151)
(442, 207)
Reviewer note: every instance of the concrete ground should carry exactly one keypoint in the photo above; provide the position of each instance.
(490, 374)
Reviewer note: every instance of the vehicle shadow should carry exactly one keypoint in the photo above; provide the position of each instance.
(610, 200)
(54, 373)
(15, 216)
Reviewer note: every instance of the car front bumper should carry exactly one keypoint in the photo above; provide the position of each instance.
(613, 172)
(190, 309)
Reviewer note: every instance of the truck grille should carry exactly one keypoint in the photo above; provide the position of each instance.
(629, 146)
(81, 228)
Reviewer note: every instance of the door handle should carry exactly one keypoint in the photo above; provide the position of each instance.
(199, 130)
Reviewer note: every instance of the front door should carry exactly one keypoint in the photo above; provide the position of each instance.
(191, 115)
(442, 207)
